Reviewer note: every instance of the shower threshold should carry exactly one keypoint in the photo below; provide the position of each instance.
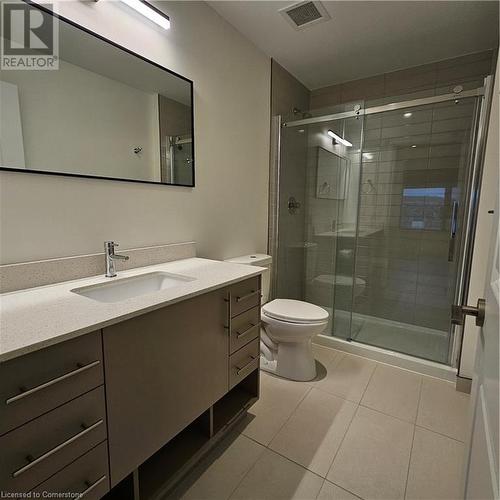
(389, 357)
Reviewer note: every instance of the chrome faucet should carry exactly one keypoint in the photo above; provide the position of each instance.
(111, 256)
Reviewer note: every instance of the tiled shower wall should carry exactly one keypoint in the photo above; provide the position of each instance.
(288, 93)
(406, 270)
(407, 194)
(428, 79)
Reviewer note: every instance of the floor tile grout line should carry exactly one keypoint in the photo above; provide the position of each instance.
(350, 422)
(249, 469)
(411, 422)
(266, 446)
(413, 439)
(428, 429)
(340, 444)
(344, 488)
(369, 380)
(289, 417)
(296, 463)
(319, 492)
(290, 459)
(286, 458)
(335, 395)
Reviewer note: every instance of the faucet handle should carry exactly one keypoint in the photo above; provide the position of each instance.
(109, 245)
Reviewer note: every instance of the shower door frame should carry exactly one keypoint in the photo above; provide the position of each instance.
(478, 135)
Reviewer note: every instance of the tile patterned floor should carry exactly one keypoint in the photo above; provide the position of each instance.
(360, 430)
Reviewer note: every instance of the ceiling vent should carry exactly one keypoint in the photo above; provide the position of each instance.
(304, 14)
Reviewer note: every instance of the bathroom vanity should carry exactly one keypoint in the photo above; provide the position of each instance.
(126, 409)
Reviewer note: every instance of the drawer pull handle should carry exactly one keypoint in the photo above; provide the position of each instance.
(91, 486)
(56, 380)
(243, 368)
(248, 330)
(247, 296)
(47, 454)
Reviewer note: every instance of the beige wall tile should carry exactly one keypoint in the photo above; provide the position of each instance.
(327, 96)
(405, 80)
(286, 91)
(366, 88)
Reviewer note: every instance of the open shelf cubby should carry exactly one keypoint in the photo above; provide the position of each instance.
(235, 403)
(163, 470)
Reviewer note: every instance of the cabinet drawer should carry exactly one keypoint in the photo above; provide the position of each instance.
(244, 328)
(39, 382)
(245, 295)
(243, 362)
(86, 476)
(37, 450)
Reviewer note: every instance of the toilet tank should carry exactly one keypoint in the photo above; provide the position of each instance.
(261, 260)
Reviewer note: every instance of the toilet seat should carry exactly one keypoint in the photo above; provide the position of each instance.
(294, 311)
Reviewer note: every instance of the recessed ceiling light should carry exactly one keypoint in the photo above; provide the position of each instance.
(301, 131)
(333, 135)
(413, 145)
(407, 115)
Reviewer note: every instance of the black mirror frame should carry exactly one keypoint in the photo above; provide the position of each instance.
(135, 54)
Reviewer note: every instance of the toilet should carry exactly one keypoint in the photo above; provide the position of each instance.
(288, 328)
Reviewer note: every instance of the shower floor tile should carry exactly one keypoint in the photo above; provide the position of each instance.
(404, 338)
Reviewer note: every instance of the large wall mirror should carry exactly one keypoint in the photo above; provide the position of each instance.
(105, 112)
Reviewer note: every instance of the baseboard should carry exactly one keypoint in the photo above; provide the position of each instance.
(463, 384)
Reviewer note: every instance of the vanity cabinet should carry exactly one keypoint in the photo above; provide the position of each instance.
(36, 383)
(134, 405)
(53, 411)
(163, 369)
(86, 475)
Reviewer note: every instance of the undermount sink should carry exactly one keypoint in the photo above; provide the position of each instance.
(127, 288)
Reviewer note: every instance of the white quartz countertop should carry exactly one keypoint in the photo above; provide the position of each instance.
(39, 317)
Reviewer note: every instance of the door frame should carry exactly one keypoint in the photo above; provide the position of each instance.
(475, 176)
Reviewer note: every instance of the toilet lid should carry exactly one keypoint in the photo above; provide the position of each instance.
(294, 311)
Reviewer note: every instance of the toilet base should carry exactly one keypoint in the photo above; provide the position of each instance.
(295, 361)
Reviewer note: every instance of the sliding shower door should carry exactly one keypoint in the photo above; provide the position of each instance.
(415, 168)
(319, 179)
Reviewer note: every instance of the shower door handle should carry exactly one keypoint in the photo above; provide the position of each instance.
(458, 313)
(453, 231)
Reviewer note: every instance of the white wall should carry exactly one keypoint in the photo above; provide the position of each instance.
(43, 216)
(91, 123)
(489, 195)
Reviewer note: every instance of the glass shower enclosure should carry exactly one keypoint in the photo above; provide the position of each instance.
(370, 209)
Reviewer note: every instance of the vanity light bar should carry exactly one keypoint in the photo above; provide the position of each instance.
(152, 13)
(339, 139)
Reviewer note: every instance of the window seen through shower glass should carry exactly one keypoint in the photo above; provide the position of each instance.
(422, 208)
